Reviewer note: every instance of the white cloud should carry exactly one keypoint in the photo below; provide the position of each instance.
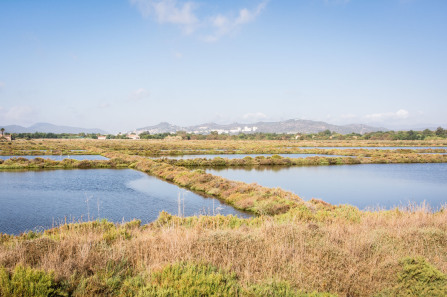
(2, 84)
(380, 117)
(139, 94)
(184, 15)
(170, 12)
(246, 16)
(252, 117)
(20, 114)
(224, 25)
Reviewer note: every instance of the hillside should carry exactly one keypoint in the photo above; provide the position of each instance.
(289, 126)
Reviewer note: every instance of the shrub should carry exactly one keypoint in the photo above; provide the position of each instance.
(279, 289)
(186, 279)
(29, 282)
(418, 278)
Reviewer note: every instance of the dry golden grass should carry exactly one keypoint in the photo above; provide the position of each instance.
(339, 256)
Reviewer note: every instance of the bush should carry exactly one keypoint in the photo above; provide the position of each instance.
(279, 289)
(29, 282)
(418, 278)
(185, 279)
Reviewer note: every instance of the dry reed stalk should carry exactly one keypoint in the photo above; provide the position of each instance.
(346, 258)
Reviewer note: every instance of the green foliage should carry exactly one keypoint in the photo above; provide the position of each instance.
(29, 282)
(185, 279)
(132, 286)
(280, 289)
(418, 278)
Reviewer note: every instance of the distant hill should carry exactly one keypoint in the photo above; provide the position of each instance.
(289, 126)
(50, 128)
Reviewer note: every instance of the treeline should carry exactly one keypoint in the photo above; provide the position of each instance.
(147, 135)
(50, 135)
(323, 135)
(407, 135)
(439, 133)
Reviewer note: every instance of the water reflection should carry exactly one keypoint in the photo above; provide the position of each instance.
(371, 185)
(60, 157)
(241, 156)
(42, 199)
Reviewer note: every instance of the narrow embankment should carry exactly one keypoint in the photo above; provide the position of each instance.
(249, 197)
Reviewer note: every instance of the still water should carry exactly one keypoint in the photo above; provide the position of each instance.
(374, 147)
(36, 200)
(60, 157)
(364, 186)
(241, 156)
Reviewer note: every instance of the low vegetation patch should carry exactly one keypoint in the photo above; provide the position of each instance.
(41, 163)
(383, 253)
(25, 281)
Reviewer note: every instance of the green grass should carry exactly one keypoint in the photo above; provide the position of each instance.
(24, 281)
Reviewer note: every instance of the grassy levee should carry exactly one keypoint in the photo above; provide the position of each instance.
(18, 162)
(48, 147)
(182, 147)
(41, 163)
(248, 197)
(276, 160)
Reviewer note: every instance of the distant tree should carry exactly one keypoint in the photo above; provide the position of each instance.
(440, 131)
(426, 132)
(411, 135)
(3, 131)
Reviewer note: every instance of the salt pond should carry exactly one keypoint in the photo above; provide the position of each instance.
(59, 157)
(241, 156)
(371, 185)
(36, 200)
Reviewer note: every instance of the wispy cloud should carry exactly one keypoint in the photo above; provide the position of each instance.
(2, 85)
(184, 15)
(224, 25)
(401, 114)
(139, 94)
(170, 12)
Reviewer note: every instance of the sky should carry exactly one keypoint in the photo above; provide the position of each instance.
(125, 64)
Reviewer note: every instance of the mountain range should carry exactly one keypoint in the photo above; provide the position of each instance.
(289, 126)
(50, 128)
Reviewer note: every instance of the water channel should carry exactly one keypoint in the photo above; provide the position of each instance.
(37, 200)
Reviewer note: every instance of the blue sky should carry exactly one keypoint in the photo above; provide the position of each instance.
(124, 64)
